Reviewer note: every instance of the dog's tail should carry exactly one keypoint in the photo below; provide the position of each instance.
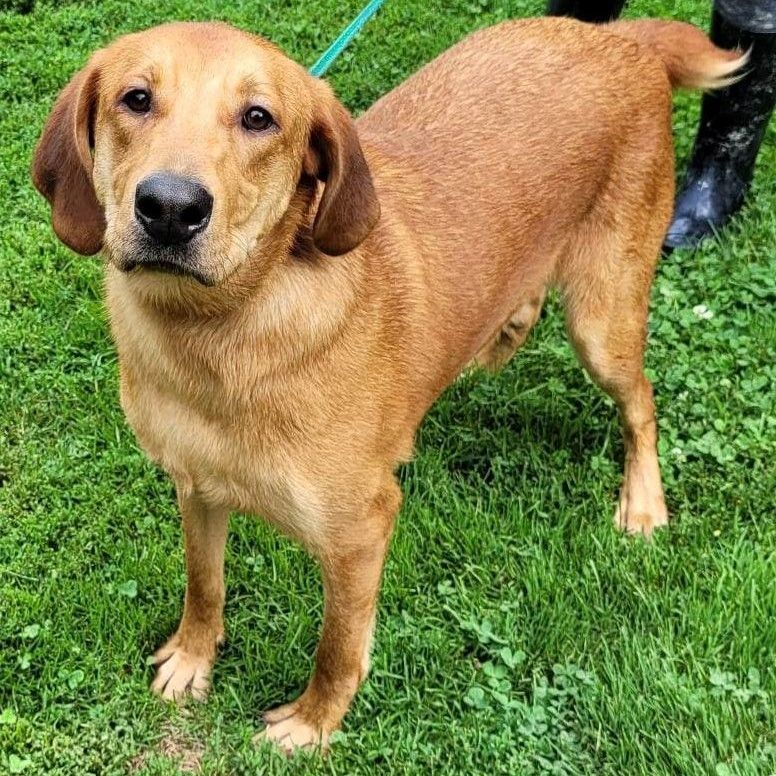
(690, 58)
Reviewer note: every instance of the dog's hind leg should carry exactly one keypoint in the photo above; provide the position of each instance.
(605, 284)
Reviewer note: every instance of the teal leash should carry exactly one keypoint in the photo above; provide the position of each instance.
(350, 32)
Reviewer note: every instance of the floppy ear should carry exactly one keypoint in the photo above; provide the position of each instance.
(349, 208)
(62, 165)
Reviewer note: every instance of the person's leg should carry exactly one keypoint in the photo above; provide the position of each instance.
(586, 10)
(732, 126)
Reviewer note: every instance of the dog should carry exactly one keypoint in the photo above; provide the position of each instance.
(289, 290)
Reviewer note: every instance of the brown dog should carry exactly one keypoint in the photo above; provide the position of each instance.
(289, 291)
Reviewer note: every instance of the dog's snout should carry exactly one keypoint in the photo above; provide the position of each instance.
(172, 208)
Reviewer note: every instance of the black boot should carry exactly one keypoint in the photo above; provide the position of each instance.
(586, 10)
(732, 126)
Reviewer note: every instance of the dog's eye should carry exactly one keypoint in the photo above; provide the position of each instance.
(257, 119)
(137, 100)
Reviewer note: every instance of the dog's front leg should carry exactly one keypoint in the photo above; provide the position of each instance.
(184, 662)
(351, 567)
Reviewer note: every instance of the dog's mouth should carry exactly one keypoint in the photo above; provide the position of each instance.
(138, 255)
(168, 267)
(132, 253)
(171, 267)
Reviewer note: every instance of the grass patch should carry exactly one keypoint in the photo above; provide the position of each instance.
(518, 632)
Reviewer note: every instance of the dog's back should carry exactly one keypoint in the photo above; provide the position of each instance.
(514, 135)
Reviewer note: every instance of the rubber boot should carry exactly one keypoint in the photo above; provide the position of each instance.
(586, 10)
(732, 126)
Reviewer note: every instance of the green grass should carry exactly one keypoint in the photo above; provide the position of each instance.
(518, 632)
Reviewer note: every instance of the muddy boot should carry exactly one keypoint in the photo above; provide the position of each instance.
(732, 126)
(586, 10)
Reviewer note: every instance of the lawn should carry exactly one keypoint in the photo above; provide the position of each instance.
(518, 632)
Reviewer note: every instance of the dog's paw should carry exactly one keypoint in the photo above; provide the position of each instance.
(181, 672)
(290, 730)
(642, 519)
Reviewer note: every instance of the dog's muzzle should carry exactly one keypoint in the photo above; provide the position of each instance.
(172, 210)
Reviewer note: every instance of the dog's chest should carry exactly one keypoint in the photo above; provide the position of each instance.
(246, 461)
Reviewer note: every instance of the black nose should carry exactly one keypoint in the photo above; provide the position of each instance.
(171, 208)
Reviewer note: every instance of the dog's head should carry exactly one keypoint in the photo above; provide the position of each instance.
(182, 147)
